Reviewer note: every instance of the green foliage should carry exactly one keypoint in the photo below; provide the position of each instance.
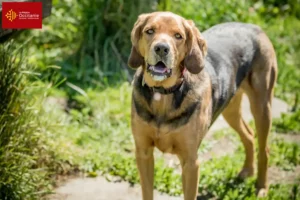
(208, 13)
(287, 45)
(289, 122)
(30, 149)
(20, 177)
(107, 26)
(277, 8)
(285, 155)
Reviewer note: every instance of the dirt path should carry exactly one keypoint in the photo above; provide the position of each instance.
(99, 188)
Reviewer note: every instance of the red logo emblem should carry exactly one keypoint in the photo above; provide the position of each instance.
(21, 15)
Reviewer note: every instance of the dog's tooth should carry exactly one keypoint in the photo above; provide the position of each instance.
(159, 78)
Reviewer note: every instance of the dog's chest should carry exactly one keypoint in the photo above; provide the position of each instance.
(164, 142)
(161, 106)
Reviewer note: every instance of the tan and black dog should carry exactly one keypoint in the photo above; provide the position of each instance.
(185, 79)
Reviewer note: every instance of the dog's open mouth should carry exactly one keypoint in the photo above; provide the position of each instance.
(159, 72)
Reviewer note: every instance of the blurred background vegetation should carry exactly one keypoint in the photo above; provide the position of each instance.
(65, 96)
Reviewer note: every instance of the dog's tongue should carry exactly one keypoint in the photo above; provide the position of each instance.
(160, 68)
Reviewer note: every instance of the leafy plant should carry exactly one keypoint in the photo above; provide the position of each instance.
(19, 179)
(276, 8)
(288, 122)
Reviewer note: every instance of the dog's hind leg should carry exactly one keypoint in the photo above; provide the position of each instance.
(233, 116)
(260, 102)
(260, 92)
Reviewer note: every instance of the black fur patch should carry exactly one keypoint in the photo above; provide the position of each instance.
(183, 117)
(180, 94)
(175, 122)
(144, 91)
(142, 112)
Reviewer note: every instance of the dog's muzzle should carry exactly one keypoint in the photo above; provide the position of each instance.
(159, 72)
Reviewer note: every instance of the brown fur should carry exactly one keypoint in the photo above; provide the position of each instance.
(185, 140)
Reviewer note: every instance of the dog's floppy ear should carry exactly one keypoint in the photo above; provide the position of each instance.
(135, 59)
(196, 48)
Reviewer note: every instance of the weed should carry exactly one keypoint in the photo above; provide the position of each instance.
(20, 174)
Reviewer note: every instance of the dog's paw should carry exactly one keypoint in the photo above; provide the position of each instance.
(261, 192)
(246, 172)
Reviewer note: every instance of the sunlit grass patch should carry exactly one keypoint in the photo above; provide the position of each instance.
(288, 122)
(283, 154)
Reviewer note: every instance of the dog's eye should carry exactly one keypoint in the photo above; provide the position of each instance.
(150, 31)
(178, 36)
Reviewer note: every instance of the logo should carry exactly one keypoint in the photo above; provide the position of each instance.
(21, 15)
(11, 15)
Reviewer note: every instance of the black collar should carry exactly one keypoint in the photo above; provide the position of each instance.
(163, 90)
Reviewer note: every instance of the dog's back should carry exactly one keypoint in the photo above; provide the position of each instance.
(231, 50)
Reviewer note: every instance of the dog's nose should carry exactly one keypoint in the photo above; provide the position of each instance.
(162, 49)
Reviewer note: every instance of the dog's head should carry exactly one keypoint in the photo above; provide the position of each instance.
(163, 43)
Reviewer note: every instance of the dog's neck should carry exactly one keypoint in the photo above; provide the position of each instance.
(162, 94)
(164, 91)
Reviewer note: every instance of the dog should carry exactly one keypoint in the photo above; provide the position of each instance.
(185, 79)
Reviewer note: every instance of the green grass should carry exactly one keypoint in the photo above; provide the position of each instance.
(87, 124)
(288, 123)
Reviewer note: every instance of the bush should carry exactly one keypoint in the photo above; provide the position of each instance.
(20, 147)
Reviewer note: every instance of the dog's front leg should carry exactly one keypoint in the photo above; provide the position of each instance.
(190, 176)
(145, 163)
